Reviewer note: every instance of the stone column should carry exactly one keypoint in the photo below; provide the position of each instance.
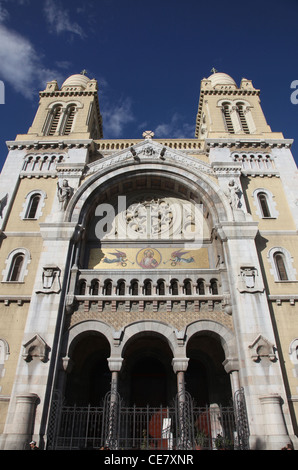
(180, 366)
(115, 365)
(23, 422)
(275, 429)
(111, 434)
(231, 366)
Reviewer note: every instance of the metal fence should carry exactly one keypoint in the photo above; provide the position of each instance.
(181, 426)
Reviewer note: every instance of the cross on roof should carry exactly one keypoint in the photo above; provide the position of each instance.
(213, 70)
(84, 72)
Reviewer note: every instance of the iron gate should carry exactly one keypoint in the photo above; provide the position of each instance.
(115, 426)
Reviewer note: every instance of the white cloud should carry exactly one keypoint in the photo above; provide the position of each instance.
(176, 128)
(116, 117)
(59, 19)
(21, 66)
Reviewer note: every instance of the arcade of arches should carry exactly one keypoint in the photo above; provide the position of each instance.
(147, 376)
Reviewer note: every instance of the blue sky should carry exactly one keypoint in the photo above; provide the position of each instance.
(149, 58)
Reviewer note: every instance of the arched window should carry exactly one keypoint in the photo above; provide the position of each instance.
(187, 287)
(121, 287)
(82, 287)
(16, 268)
(174, 287)
(201, 287)
(262, 197)
(161, 287)
(108, 287)
(16, 265)
(265, 203)
(228, 119)
(280, 266)
(213, 287)
(55, 120)
(147, 287)
(94, 287)
(134, 287)
(69, 120)
(32, 206)
(240, 109)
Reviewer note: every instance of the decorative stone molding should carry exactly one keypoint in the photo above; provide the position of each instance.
(67, 364)
(262, 348)
(50, 280)
(36, 347)
(231, 364)
(249, 280)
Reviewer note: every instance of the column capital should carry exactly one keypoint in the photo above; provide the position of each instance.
(180, 364)
(115, 363)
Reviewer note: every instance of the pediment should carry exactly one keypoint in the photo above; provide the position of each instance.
(151, 151)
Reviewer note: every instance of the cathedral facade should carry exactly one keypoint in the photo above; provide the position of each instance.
(151, 271)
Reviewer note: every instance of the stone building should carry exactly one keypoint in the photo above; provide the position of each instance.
(150, 271)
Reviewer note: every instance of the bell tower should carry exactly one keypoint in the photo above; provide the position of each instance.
(226, 110)
(70, 111)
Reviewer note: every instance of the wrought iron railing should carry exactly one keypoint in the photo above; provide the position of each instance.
(115, 426)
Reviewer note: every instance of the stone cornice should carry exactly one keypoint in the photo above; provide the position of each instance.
(58, 93)
(248, 142)
(48, 144)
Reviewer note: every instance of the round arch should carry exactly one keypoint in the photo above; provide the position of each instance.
(86, 327)
(197, 182)
(147, 327)
(214, 329)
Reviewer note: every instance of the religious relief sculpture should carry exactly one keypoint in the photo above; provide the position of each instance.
(234, 194)
(248, 280)
(149, 217)
(50, 280)
(64, 194)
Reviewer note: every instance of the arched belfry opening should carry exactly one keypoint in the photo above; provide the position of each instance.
(147, 376)
(89, 379)
(206, 379)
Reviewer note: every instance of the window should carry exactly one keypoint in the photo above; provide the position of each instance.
(134, 288)
(213, 287)
(161, 287)
(32, 207)
(200, 287)
(264, 205)
(108, 287)
(174, 287)
(69, 121)
(227, 116)
(55, 120)
(121, 288)
(240, 109)
(280, 266)
(16, 265)
(95, 287)
(187, 287)
(16, 268)
(82, 287)
(147, 287)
